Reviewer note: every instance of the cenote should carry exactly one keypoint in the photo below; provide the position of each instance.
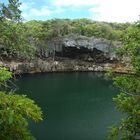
(76, 106)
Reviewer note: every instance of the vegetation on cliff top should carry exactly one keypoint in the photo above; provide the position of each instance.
(24, 41)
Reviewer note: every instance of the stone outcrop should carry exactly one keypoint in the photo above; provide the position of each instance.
(91, 49)
(62, 66)
(71, 53)
(85, 48)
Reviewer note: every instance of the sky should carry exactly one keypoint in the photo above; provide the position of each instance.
(99, 10)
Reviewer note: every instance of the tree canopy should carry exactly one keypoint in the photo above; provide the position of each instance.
(14, 108)
(23, 41)
(128, 101)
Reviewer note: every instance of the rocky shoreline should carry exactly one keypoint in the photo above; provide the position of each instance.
(66, 65)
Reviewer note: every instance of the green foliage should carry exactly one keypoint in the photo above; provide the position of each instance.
(24, 41)
(37, 34)
(85, 27)
(4, 74)
(10, 11)
(129, 127)
(40, 33)
(14, 38)
(13, 109)
(13, 34)
(128, 101)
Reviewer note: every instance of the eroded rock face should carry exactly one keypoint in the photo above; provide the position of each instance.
(85, 48)
(91, 49)
(62, 66)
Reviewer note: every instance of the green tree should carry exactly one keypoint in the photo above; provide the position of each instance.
(14, 111)
(10, 11)
(14, 37)
(128, 101)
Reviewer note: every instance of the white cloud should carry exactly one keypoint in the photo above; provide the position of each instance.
(106, 10)
(117, 10)
(44, 11)
(24, 6)
(101, 10)
(25, 15)
(62, 3)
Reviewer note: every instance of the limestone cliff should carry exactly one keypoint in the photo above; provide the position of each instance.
(62, 66)
(85, 48)
(72, 53)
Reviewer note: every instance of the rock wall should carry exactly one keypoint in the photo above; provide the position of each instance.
(62, 66)
(72, 53)
(72, 46)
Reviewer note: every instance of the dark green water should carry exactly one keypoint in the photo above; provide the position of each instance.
(76, 106)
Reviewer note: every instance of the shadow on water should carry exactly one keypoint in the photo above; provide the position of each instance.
(76, 106)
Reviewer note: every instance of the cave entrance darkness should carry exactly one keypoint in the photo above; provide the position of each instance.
(82, 53)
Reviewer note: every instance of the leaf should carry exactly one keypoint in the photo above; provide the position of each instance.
(11, 117)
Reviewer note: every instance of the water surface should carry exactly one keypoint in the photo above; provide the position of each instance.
(76, 106)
